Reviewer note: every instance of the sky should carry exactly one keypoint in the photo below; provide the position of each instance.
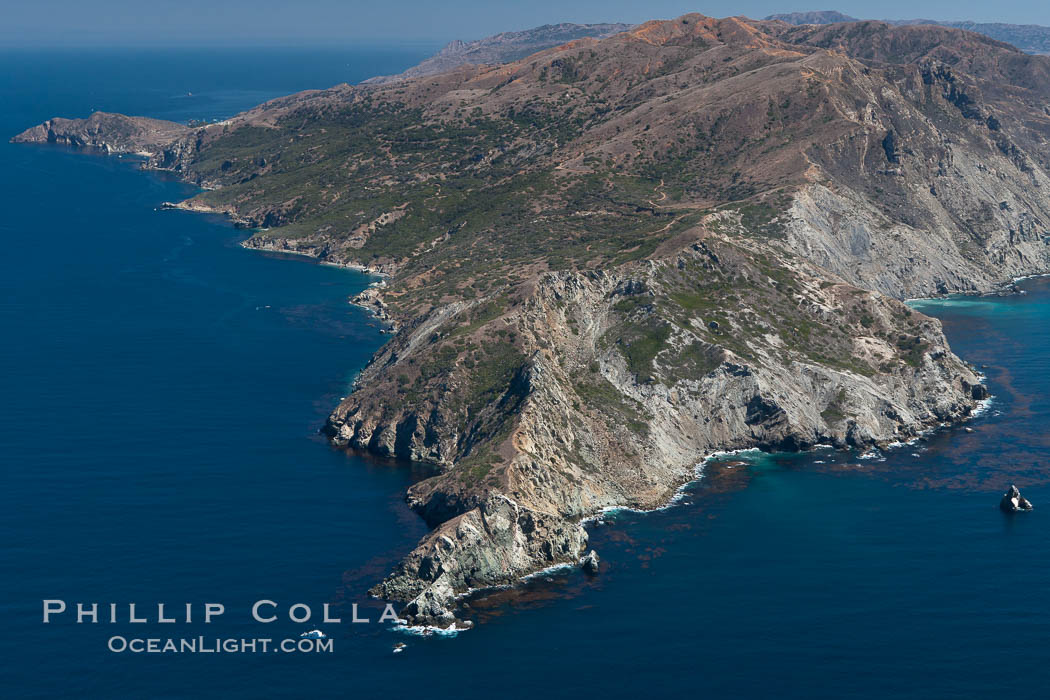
(245, 22)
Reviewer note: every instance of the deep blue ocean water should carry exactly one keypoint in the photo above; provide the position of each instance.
(161, 392)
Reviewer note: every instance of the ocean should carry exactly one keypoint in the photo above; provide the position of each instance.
(163, 389)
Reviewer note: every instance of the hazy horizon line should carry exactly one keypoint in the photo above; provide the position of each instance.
(253, 42)
(284, 41)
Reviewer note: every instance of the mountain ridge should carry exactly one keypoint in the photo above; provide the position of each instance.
(502, 48)
(1031, 38)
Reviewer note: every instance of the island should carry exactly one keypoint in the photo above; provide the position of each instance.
(605, 261)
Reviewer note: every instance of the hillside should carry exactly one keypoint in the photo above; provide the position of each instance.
(504, 47)
(609, 259)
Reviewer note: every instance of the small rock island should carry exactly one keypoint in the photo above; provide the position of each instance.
(1013, 502)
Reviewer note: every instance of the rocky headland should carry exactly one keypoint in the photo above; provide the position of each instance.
(609, 259)
(112, 133)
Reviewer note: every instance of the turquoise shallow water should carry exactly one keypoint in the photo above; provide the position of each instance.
(162, 391)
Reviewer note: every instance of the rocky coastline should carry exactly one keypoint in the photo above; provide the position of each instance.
(547, 382)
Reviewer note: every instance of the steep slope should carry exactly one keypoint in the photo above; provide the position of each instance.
(608, 259)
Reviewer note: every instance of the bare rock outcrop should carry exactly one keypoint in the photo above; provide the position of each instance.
(497, 541)
(1013, 502)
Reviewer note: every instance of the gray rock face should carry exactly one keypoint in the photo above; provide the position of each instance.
(432, 607)
(497, 541)
(590, 563)
(1013, 502)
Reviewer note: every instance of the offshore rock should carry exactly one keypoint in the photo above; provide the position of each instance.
(590, 563)
(1013, 501)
